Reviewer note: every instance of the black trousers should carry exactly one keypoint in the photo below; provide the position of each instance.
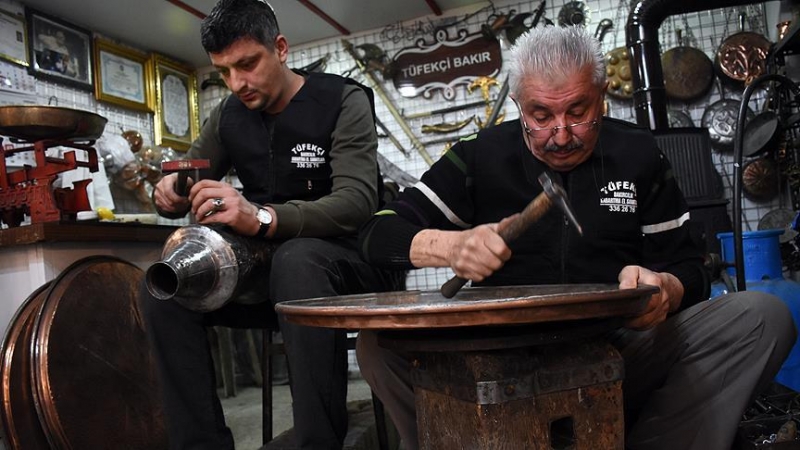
(317, 357)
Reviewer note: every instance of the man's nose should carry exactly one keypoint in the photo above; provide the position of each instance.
(562, 135)
(234, 81)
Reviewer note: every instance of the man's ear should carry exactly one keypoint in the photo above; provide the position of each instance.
(282, 48)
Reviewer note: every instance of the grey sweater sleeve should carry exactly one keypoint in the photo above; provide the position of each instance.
(354, 195)
(209, 146)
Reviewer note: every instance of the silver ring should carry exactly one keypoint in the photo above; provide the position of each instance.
(217, 203)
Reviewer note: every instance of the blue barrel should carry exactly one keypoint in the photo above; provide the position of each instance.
(763, 272)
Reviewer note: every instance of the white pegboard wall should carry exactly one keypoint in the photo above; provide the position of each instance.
(708, 28)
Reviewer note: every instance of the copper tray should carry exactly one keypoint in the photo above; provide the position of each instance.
(76, 367)
(93, 373)
(34, 123)
(470, 307)
(21, 426)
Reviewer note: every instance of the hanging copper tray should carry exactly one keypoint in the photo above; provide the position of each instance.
(34, 123)
(470, 307)
(79, 370)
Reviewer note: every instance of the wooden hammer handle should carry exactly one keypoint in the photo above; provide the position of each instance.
(508, 231)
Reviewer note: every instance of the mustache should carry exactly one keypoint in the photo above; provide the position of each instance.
(572, 145)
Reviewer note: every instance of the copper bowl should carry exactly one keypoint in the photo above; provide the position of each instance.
(34, 123)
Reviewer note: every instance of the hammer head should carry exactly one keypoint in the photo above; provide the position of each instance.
(185, 164)
(182, 167)
(558, 197)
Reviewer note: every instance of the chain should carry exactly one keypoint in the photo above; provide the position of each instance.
(668, 35)
(754, 16)
(623, 8)
(688, 35)
(727, 12)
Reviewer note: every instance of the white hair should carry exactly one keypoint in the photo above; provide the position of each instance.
(555, 53)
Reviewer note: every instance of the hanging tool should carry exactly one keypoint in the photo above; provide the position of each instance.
(491, 119)
(443, 110)
(380, 90)
(445, 127)
(391, 137)
(553, 194)
(393, 172)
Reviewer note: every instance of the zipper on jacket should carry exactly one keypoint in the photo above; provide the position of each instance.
(270, 126)
(565, 234)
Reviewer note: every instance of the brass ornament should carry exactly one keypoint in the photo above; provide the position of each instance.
(618, 73)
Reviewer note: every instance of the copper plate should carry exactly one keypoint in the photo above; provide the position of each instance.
(33, 123)
(470, 307)
(688, 73)
(20, 421)
(94, 378)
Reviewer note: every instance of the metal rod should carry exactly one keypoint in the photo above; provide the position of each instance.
(444, 110)
(498, 105)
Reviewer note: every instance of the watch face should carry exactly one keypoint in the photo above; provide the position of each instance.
(264, 216)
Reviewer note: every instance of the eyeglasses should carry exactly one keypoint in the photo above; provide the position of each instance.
(548, 132)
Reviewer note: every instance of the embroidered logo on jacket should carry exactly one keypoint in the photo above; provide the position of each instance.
(308, 156)
(619, 196)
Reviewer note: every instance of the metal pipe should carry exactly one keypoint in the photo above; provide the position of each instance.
(649, 95)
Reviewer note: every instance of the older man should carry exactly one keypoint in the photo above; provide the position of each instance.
(691, 365)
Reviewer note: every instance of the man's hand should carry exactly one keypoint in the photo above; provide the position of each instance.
(668, 299)
(234, 210)
(473, 254)
(478, 253)
(165, 197)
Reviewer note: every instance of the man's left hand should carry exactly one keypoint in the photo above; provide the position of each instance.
(665, 301)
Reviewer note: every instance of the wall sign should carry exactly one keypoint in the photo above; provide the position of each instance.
(445, 64)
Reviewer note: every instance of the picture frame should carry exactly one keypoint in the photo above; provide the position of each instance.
(13, 38)
(59, 51)
(176, 110)
(122, 76)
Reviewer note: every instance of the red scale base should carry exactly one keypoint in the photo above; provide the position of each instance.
(30, 190)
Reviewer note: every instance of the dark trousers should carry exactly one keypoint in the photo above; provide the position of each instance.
(301, 268)
(687, 381)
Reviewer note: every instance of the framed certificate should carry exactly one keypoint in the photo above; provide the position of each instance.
(60, 52)
(177, 115)
(13, 38)
(122, 76)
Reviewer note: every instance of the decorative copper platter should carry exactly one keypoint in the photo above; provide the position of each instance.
(32, 123)
(470, 307)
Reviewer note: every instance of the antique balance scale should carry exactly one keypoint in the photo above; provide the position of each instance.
(30, 190)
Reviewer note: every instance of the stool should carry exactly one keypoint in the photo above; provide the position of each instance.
(269, 349)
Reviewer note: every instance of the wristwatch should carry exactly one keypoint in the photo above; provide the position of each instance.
(264, 219)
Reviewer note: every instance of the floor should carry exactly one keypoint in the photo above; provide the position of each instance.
(243, 412)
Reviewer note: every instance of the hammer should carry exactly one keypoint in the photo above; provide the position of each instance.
(553, 195)
(183, 167)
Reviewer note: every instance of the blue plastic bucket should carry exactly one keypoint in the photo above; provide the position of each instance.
(763, 271)
(762, 254)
